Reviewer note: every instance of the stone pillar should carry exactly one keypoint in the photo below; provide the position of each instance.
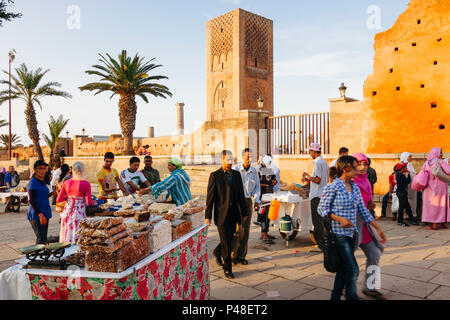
(151, 132)
(180, 118)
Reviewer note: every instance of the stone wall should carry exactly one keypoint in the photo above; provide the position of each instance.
(408, 96)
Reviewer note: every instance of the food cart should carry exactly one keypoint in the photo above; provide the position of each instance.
(296, 208)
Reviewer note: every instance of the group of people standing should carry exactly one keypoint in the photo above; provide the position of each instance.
(429, 203)
(73, 192)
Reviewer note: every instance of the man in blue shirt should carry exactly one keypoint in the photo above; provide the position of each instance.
(11, 178)
(177, 184)
(39, 212)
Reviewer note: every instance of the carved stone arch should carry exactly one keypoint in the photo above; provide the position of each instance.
(253, 95)
(220, 96)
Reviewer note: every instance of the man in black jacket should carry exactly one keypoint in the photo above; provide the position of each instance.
(226, 196)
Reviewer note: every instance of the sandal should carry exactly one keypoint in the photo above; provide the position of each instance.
(374, 294)
(267, 241)
(443, 226)
(433, 227)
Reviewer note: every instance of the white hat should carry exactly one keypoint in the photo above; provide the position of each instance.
(267, 160)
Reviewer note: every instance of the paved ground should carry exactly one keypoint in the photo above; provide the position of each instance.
(415, 264)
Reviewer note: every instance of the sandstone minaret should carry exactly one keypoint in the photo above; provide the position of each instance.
(180, 118)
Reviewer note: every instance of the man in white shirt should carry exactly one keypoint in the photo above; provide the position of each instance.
(132, 177)
(318, 181)
(252, 192)
(342, 152)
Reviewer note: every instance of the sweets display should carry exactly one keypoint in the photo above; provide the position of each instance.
(160, 208)
(135, 226)
(113, 244)
(160, 236)
(102, 233)
(106, 248)
(86, 240)
(196, 219)
(180, 228)
(78, 259)
(100, 222)
(117, 261)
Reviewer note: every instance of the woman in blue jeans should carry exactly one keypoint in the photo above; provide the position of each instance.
(343, 201)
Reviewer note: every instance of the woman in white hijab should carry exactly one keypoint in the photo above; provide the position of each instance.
(412, 195)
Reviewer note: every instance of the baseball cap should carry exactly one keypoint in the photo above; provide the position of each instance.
(401, 165)
(315, 147)
(39, 163)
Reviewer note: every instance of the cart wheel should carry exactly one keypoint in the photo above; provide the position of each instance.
(290, 237)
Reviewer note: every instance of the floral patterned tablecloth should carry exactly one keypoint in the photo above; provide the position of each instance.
(180, 274)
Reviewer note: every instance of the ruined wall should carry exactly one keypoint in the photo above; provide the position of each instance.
(408, 94)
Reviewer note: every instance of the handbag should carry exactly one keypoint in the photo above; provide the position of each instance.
(420, 181)
(395, 203)
(440, 174)
(330, 252)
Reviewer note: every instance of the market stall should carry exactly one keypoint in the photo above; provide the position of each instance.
(162, 255)
(296, 208)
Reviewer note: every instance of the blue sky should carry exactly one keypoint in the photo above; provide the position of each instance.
(317, 45)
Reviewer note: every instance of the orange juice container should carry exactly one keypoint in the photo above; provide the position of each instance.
(274, 209)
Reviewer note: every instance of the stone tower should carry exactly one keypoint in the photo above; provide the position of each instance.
(180, 118)
(239, 61)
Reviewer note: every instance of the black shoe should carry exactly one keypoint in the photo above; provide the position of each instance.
(243, 262)
(218, 260)
(403, 224)
(257, 223)
(229, 274)
(414, 223)
(235, 261)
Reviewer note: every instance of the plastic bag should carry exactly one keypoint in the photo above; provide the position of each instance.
(395, 203)
(440, 174)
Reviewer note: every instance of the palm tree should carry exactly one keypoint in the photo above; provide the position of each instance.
(25, 86)
(55, 126)
(3, 123)
(128, 78)
(4, 139)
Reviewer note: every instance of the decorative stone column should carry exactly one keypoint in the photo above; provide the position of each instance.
(180, 118)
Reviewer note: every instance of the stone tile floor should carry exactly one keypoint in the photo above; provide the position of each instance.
(415, 264)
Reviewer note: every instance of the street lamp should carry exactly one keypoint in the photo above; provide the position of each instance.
(342, 90)
(83, 131)
(260, 103)
(12, 56)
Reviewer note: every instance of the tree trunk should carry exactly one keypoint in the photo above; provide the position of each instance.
(127, 116)
(33, 131)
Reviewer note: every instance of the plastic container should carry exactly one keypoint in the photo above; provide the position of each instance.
(274, 209)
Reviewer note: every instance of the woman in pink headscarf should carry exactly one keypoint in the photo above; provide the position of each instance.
(436, 206)
(368, 240)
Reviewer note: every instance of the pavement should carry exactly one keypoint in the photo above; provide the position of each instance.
(414, 266)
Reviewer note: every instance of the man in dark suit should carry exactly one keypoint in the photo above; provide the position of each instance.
(226, 196)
